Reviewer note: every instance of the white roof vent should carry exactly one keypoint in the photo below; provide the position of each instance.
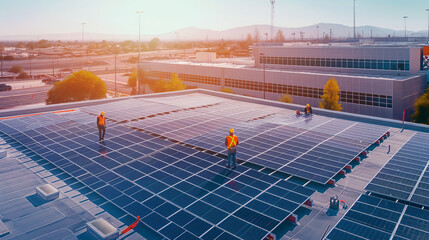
(101, 229)
(47, 192)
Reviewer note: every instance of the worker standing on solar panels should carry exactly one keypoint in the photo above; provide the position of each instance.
(231, 143)
(308, 110)
(101, 124)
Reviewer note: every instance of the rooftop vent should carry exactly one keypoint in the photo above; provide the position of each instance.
(3, 153)
(47, 192)
(101, 229)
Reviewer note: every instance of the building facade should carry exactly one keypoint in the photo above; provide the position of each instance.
(375, 81)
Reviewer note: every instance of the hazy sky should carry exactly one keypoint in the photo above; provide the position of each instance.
(22, 17)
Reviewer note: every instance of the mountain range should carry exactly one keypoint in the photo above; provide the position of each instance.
(238, 33)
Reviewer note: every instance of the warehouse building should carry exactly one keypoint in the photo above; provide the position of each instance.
(380, 81)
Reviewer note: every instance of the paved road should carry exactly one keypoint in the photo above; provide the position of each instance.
(21, 97)
(36, 95)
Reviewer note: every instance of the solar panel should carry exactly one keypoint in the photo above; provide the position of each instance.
(315, 149)
(375, 218)
(179, 192)
(406, 175)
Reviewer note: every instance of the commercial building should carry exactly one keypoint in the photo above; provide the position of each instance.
(374, 80)
(163, 163)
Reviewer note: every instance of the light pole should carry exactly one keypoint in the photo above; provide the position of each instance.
(83, 31)
(354, 19)
(116, 54)
(317, 28)
(263, 64)
(405, 22)
(427, 40)
(1, 59)
(138, 61)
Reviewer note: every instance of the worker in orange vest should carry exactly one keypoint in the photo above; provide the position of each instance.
(101, 124)
(308, 110)
(231, 143)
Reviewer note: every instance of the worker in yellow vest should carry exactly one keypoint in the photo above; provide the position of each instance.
(231, 143)
(101, 124)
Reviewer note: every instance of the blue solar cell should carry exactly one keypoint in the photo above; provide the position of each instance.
(181, 218)
(172, 231)
(197, 226)
(166, 209)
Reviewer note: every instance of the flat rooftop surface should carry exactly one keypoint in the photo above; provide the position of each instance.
(163, 159)
(248, 63)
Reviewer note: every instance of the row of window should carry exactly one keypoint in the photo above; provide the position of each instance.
(345, 96)
(187, 77)
(401, 65)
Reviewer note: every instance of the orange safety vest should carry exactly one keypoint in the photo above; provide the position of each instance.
(101, 120)
(232, 141)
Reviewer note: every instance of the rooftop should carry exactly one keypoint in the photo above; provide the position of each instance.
(247, 63)
(163, 159)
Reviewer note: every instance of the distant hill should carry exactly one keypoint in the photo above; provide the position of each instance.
(238, 33)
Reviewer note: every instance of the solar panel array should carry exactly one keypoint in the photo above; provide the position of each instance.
(179, 192)
(315, 149)
(375, 218)
(406, 175)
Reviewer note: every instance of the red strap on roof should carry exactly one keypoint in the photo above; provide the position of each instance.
(131, 226)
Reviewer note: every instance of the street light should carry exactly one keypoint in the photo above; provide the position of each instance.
(138, 61)
(83, 31)
(116, 54)
(405, 22)
(354, 19)
(427, 40)
(263, 62)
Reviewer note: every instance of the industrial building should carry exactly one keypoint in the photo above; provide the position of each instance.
(161, 171)
(375, 80)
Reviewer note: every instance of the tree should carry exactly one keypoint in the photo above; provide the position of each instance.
(15, 69)
(226, 90)
(331, 96)
(79, 86)
(286, 98)
(249, 39)
(280, 37)
(161, 85)
(154, 44)
(421, 115)
(22, 75)
(256, 35)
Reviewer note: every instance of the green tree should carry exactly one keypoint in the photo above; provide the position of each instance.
(280, 37)
(331, 96)
(154, 44)
(226, 90)
(79, 86)
(15, 69)
(22, 75)
(161, 85)
(286, 98)
(421, 115)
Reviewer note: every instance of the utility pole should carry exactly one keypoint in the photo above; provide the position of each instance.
(266, 37)
(116, 55)
(139, 57)
(405, 22)
(354, 19)
(83, 24)
(1, 59)
(264, 60)
(317, 28)
(427, 40)
(330, 34)
(272, 18)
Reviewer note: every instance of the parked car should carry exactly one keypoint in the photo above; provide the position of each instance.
(4, 87)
